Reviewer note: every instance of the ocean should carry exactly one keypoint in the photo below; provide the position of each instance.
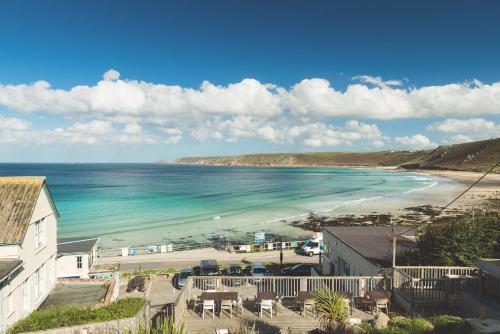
(144, 204)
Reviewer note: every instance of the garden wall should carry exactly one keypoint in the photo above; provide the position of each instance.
(119, 326)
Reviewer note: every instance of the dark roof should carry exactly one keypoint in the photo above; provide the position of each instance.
(373, 242)
(75, 245)
(8, 266)
(18, 197)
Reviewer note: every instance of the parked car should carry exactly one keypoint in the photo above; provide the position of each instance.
(183, 275)
(258, 270)
(209, 268)
(235, 270)
(312, 246)
(303, 269)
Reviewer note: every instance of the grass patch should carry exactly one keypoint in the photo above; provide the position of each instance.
(64, 316)
(443, 324)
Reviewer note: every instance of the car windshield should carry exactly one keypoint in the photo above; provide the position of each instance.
(310, 243)
(295, 267)
(184, 274)
(210, 271)
(259, 270)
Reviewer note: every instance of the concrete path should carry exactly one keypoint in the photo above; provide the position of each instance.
(193, 257)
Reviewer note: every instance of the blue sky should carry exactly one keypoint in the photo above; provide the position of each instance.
(150, 80)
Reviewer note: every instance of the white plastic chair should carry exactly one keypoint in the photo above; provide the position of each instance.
(238, 303)
(208, 305)
(309, 303)
(266, 304)
(227, 305)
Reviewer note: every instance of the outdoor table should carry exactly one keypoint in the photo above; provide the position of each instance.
(219, 296)
(266, 295)
(379, 294)
(305, 295)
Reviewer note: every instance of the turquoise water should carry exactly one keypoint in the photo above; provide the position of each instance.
(137, 204)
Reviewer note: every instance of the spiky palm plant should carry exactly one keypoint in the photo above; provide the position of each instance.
(332, 308)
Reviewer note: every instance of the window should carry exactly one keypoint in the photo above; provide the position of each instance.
(26, 298)
(40, 233)
(79, 263)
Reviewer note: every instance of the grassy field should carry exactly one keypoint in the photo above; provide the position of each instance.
(475, 156)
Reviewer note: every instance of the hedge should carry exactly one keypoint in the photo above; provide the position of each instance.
(65, 316)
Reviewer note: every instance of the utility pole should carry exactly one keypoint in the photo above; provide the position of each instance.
(393, 244)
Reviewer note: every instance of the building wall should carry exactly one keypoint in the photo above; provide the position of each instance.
(67, 266)
(19, 292)
(341, 260)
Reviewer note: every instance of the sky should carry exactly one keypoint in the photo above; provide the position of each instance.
(140, 81)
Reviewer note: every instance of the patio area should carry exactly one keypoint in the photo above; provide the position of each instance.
(286, 317)
(287, 295)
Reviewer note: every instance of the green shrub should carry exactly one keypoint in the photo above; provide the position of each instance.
(331, 308)
(64, 316)
(449, 324)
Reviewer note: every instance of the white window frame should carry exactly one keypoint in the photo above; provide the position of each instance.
(40, 234)
(79, 262)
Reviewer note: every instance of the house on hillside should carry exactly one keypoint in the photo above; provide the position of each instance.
(362, 250)
(28, 227)
(75, 256)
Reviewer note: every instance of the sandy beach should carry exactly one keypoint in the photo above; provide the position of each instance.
(487, 188)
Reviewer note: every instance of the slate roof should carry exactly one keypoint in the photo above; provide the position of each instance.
(18, 197)
(7, 266)
(75, 245)
(373, 242)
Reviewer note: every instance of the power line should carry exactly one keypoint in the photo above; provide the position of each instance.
(440, 211)
(453, 201)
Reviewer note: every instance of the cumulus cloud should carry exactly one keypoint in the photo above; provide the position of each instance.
(130, 111)
(415, 142)
(472, 126)
(378, 81)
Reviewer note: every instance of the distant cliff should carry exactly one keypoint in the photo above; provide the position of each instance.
(475, 156)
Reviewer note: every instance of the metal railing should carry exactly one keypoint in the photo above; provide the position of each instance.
(435, 272)
(432, 285)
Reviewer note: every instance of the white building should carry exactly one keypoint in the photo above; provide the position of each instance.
(75, 256)
(362, 250)
(28, 227)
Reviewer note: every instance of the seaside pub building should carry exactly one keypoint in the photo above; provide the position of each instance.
(28, 228)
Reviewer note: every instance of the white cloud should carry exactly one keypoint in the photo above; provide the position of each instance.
(117, 110)
(111, 75)
(415, 142)
(467, 126)
(12, 123)
(378, 81)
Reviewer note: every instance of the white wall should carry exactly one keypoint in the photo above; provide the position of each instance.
(357, 264)
(66, 266)
(43, 259)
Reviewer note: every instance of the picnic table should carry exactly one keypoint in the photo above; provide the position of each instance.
(219, 295)
(136, 283)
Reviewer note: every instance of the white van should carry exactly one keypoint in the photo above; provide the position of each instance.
(312, 246)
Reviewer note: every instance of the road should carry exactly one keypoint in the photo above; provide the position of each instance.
(193, 257)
